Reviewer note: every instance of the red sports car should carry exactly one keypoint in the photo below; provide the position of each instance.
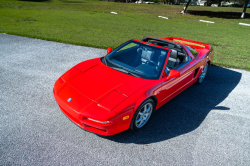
(120, 91)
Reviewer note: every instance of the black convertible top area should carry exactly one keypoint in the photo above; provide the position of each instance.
(178, 56)
(163, 43)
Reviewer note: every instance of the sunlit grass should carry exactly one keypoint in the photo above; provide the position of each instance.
(90, 23)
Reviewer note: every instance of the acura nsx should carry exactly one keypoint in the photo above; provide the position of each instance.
(121, 90)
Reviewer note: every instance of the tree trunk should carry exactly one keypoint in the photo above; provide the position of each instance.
(219, 3)
(244, 10)
(185, 8)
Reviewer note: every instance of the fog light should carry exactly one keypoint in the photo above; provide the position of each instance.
(104, 122)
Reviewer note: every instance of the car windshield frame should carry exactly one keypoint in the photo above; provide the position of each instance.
(112, 63)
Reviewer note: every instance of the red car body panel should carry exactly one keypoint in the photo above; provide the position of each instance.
(101, 93)
(104, 81)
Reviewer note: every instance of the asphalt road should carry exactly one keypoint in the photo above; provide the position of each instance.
(208, 124)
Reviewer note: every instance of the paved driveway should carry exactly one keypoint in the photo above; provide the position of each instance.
(207, 124)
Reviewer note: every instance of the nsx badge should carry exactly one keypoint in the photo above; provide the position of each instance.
(69, 99)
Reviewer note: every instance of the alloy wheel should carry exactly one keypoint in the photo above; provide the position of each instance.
(143, 115)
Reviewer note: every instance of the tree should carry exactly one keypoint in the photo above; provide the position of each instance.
(245, 8)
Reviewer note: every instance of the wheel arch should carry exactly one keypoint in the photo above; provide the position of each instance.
(140, 101)
(138, 105)
(154, 98)
(209, 63)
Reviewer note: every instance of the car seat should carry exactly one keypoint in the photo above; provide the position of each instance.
(145, 54)
(173, 59)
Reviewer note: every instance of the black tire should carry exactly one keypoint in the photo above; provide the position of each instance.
(134, 125)
(203, 74)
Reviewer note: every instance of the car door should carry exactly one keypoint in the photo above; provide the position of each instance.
(172, 87)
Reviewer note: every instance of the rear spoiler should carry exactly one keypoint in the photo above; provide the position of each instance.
(187, 42)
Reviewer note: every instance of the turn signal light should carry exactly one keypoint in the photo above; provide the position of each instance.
(125, 117)
(104, 122)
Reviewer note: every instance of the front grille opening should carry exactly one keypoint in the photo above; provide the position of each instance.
(103, 130)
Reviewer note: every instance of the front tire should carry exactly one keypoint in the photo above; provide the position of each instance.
(142, 115)
(202, 75)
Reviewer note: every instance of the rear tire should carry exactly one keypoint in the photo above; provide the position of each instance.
(203, 74)
(142, 115)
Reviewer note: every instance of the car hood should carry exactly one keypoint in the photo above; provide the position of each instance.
(99, 80)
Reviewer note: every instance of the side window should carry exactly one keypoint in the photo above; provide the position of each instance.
(195, 53)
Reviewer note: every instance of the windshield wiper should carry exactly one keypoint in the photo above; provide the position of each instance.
(125, 71)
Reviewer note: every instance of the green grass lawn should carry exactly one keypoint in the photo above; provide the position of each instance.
(89, 23)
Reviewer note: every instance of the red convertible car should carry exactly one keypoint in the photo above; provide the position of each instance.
(120, 91)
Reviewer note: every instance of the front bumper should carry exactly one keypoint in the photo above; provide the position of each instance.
(81, 120)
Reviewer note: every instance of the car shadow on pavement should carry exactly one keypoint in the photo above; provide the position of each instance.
(187, 111)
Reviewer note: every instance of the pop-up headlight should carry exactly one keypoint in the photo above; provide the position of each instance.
(70, 73)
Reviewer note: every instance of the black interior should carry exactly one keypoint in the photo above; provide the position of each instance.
(133, 58)
(147, 60)
(178, 54)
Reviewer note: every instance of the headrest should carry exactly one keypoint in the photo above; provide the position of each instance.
(146, 54)
(173, 54)
(139, 50)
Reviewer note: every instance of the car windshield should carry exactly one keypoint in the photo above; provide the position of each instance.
(138, 59)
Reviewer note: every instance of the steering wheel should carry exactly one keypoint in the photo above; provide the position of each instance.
(151, 62)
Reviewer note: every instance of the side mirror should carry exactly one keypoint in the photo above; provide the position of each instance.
(173, 73)
(109, 50)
